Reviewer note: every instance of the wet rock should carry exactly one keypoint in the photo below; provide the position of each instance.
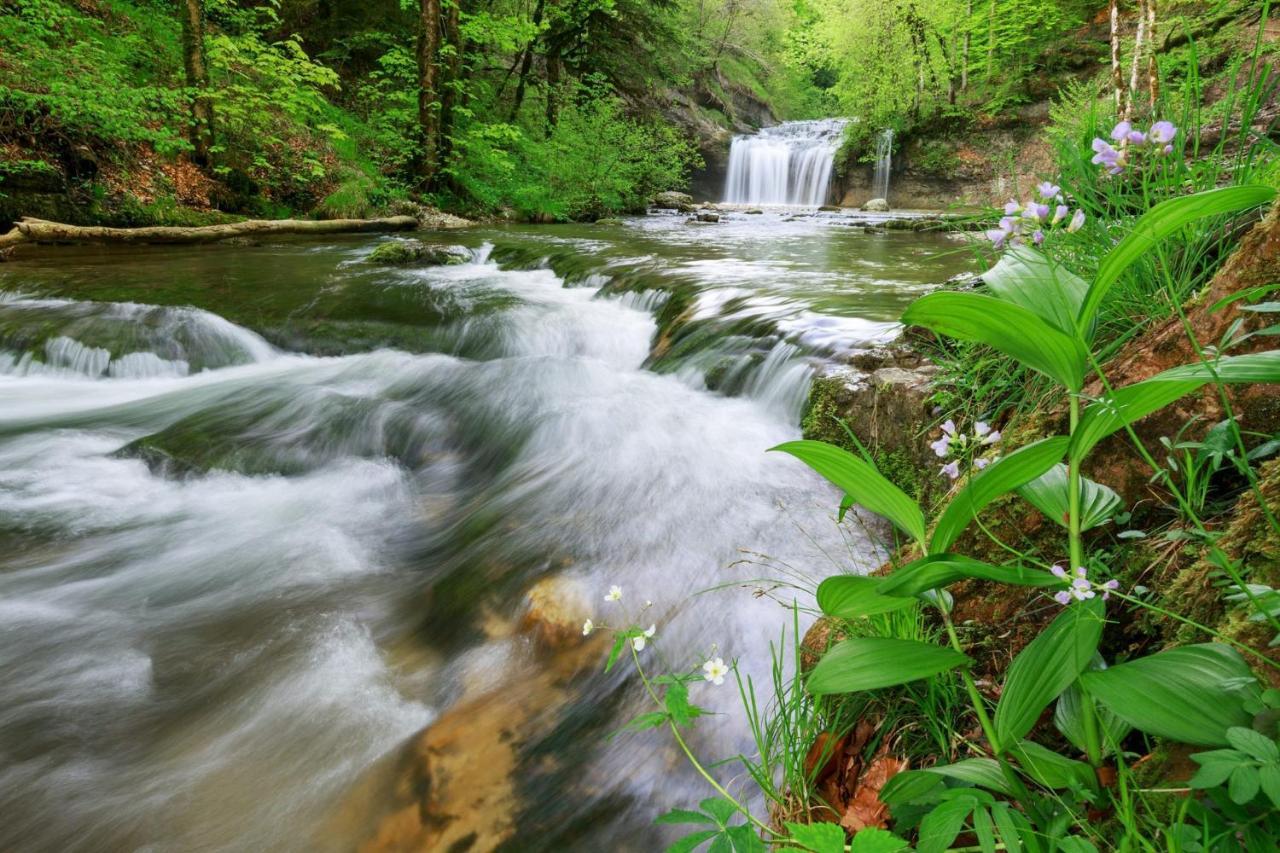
(872, 229)
(755, 211)
(876, 205)
(429, 218)
(556, 607)
(884, 398)
(609, 221)
(396, 252)
(687, 208)
(706, 216)
(830, 208)
(671, 200)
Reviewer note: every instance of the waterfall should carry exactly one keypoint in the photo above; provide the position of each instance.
(884, 163)
(787, 164)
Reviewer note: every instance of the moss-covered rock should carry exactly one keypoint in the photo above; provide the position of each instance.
(397, 252)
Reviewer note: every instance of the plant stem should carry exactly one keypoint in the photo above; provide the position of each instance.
(1073, 495)
(979, 706)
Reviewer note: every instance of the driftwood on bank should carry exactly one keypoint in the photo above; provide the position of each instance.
(30, 230)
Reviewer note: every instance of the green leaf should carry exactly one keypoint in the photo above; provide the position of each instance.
(869, 663)
(872, 840)
(818, 837)
(941, 826)
(744, 839)
(1254, 744)
(1243, 784)
(1161, 221)
(910, 786)
(1068, 716)
(677, 702)
(939, 570)
(679, 816)
(860, 481)
(1007, 327)
(1050, 769)
(1050, 494)
(1190, 694)
(693, 841)
(1076, 844)
(1213, 774)
(619, 642)
(1007, 827)
(984, 830)
(983, 772)
(1134, 402)
(851, 596)
(645, 721)
(1047, 666)
(1020, 467)
(1269, 778)
(1030, 279)
(720, 809)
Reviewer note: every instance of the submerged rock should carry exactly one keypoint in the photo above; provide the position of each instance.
(755, 211)
(396, 252)
(708, 217)
(830, 208)
(672, 200)
(877, 205)
(555, 611)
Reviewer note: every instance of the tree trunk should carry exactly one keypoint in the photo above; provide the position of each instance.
(428, 89)
(1117, 76)
(526, 64)
(1139, 46)
(201, 129)
(964, 50)
(29, 230)
(991, 39)
(451, 85)
(1153, 67)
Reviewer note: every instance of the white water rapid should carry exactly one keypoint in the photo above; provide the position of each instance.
(787, 164)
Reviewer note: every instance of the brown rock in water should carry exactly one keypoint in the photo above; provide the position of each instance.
(557, 607)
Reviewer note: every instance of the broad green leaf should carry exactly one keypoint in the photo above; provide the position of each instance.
(1045, 668)
(1134, 402)
(1076, 844)
(818, 837)
(1020, 467)
(939, 570)
(873, 840)
(1068, 716)
(693, 841)
(1007, 327)
(941, 826)
(1035, 282)
(1212, 774)
(1243, 784)
(1254, 744)
(720, 809)
(985, 830)
(1165, 220)
(679, 816)
(1007, 827)
(851, 596)
(869, 663)
(910, 786)
(983, 772)
(1191, 694)
(743, 839)
(1050, 494)
(860, 481)
(1050, 769)
(1269, 777)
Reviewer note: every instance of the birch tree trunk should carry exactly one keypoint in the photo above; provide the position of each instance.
(1139, 48)
(964, 49)
(1117, 76)
(1153, 67)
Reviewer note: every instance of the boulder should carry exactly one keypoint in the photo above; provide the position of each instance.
(706, 216)
(830, 208)
(876, 205)
(755, 211)
(397, 252)
(672, 200)
(555, 609)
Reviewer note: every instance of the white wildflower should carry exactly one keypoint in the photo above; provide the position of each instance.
(714, 670)
(615, 593)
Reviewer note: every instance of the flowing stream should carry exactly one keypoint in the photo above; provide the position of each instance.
(268, 511)
(790, 163)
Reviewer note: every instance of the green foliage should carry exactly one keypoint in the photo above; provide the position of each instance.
(869, 663)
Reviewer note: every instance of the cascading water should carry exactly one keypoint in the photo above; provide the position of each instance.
(884, 164)
(238, 576)
(787, 164)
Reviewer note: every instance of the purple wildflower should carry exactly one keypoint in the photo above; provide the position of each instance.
(997, 236)
(1012, 208)
(1077, 221)
(1108, 587)
(1162, 133)
(981, 462)
(1168, 149)
(952, 469)
(1136, 137)
(1107, 156)
(1049, 190)
(942, 447)
(1037, 237)
(1059, 213)
(1120, 132)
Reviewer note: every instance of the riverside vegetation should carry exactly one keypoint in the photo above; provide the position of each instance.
(1123, 717)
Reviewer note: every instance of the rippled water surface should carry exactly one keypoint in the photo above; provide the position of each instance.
(267, 511)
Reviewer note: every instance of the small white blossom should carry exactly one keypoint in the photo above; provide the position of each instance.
(638, 643)
(714, 670)
(588, 627)
(615, 593)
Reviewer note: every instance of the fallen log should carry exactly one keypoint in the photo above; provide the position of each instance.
(30, 230)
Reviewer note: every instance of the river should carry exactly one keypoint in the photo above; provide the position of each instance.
(267, 511)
